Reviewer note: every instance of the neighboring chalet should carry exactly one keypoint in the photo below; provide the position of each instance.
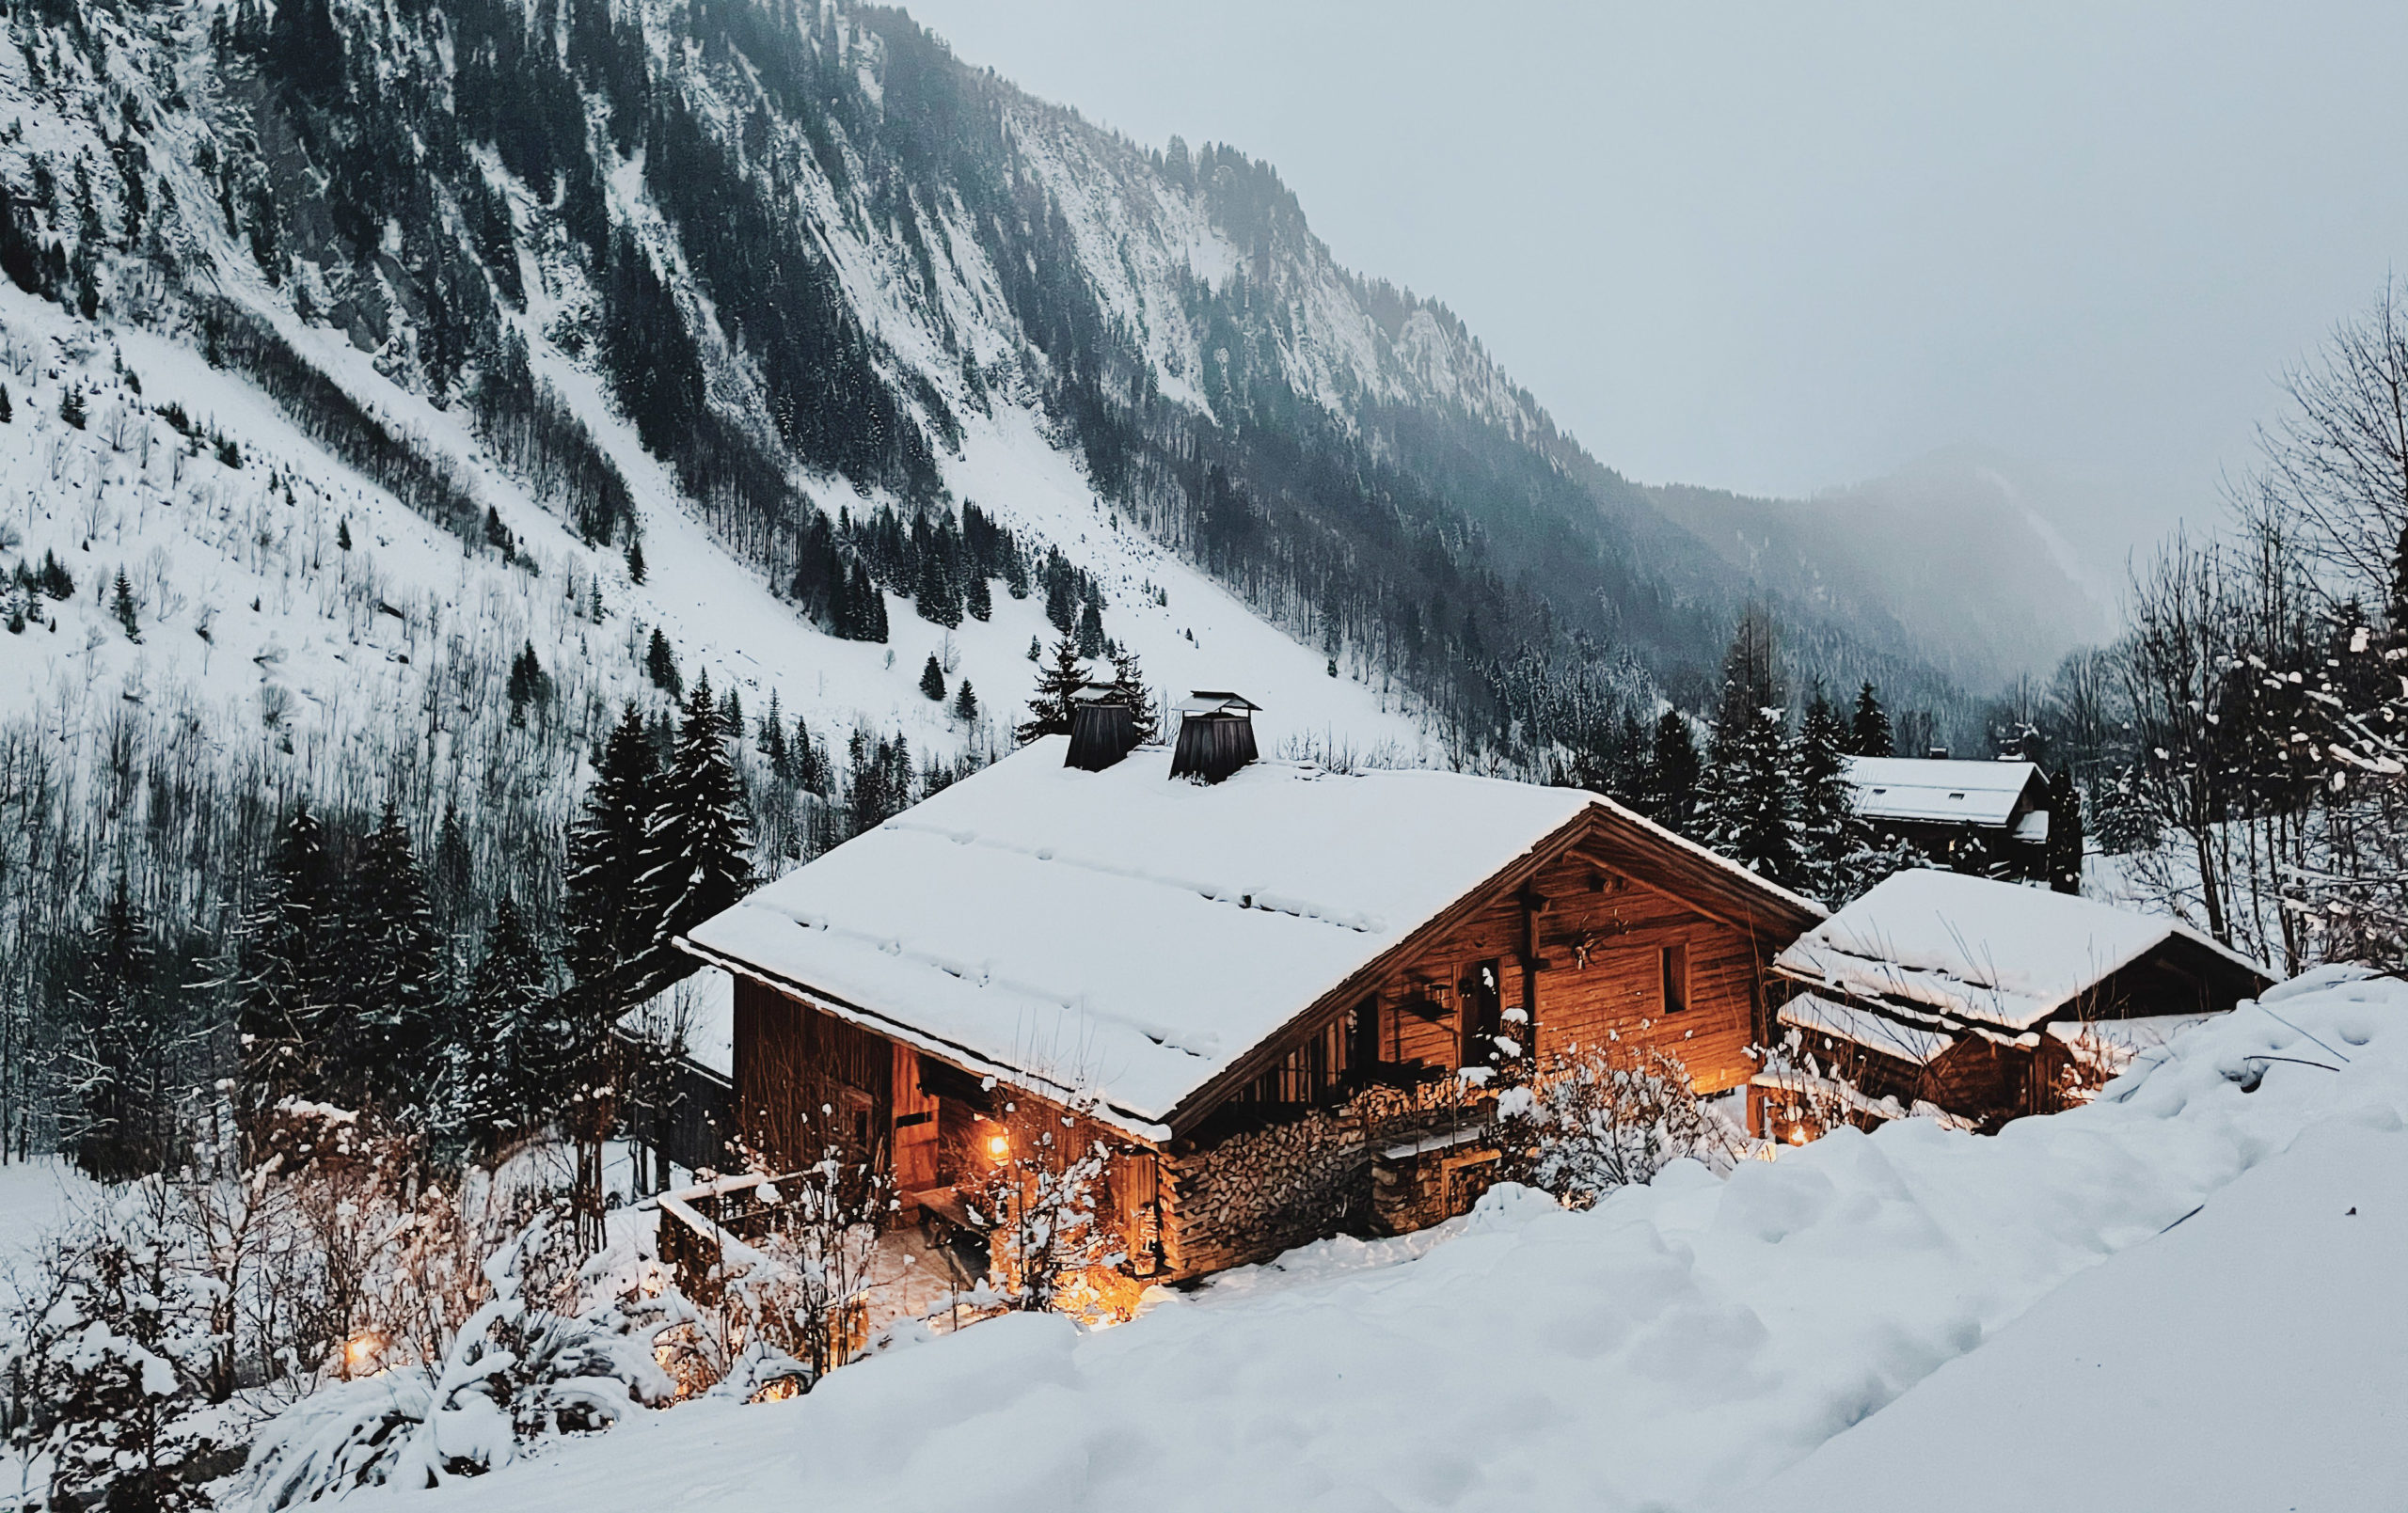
(1985, 1000)
(1986, 817)
(1258, 992)
(679, 1107)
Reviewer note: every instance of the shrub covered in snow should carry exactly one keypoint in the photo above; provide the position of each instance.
(515, 1373)
(1598, 1118)
(103, 1362)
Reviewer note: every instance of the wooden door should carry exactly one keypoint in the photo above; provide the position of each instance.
(915, 1125)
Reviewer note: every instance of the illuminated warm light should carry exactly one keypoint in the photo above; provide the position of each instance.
(1797, 1134)
(361, 1348)
(999, 1146)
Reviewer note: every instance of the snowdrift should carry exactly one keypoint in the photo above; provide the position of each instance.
(1683, 1345)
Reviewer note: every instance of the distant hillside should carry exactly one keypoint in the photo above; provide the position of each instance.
(1959, 555)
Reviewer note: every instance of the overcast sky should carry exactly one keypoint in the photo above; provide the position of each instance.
(1778, 248)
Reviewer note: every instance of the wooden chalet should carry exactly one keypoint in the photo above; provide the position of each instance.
(1982, 1001)
(1990, 818)
(1258, 992)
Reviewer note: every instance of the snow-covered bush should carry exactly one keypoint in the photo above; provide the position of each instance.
(103, 1362)
(1042, 1192)
(790, 1305)
(516, 1372)
(1597, 1118)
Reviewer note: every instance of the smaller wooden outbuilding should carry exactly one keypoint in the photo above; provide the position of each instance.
(1987, 817)
(1981, 1000)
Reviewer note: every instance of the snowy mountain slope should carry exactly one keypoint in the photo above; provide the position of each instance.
(1674, 1347)
(805, 255)
(203, 541)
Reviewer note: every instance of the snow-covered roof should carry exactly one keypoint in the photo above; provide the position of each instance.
(1912, 1043)
(697, 1016)
(1922, 788)
(1987, 952)
(1132, 937)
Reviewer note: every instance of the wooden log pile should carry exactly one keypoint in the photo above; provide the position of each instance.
(1256, 1192)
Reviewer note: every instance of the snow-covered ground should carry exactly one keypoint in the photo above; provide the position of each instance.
(2158, 1300)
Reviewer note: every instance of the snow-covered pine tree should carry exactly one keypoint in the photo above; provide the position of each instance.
(978, 598)
(1748, 801)
(290, 1013)
(1091, 639)
(698, 853)
(660, 665)
(121, 607)
(1830, 836)
(965, 704)
(612, 925)
(119, 1062)
(1049, 707)
(932, 681)
(1869, 730)
(2126, 822)
(1128, 686)
(938, 596)
(635, 561)
(2065, 833)
(1669, 787)
(512, 1060)
(527, 683)
(394, 971)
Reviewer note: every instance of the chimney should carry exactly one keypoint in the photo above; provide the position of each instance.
(1104, 729)
(1215, 736)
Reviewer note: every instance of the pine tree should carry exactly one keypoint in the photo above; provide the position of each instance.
(527, 683)
(611, 926)
(499, 536)
(290, 1015)
(1129, 686)
(660, 665)
(1673, 769)
(1869, 733)
(698, 857)
(773, 742)
(938, 597)
(965, 704)
(1049, 708)
(343, 535)
(2065, 833)
(1747, 798)
(1091, 640)
(976, 597)
(120, 1116)
(8, 410)
(71, 407)
(2126, 822)
(450, 876)
(393, 966)
(1831, 835)
(932, 681)
(511, 1064)
(635, 561)
(121, 605)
